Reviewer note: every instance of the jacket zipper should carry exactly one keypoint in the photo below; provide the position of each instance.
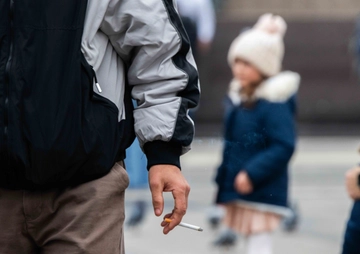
(96, 82)
(7, 74)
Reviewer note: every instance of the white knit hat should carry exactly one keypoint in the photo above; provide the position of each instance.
(262, 45)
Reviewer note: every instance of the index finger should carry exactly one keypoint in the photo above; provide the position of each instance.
(180, 207)
(157, 198)
(181, 203)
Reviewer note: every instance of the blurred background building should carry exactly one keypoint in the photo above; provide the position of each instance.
(317, 46)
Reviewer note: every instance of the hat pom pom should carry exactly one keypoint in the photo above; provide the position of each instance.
(271, 24)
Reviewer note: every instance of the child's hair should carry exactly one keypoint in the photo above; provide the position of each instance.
(247, 96)
(262, 45)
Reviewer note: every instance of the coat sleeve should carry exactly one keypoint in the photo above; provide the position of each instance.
(280, 132)
(148, 35)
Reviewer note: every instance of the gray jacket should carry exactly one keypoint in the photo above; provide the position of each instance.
(144, 42)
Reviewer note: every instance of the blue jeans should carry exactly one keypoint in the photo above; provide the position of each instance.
(352, 235)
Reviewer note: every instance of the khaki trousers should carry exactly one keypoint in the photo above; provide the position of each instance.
(85, 219)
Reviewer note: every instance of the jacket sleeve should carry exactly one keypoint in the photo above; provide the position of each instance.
(148, 35)
(280, 132)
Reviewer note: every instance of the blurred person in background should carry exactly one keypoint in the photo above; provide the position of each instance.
(218, 4)
(351, 243)
(354, 47)
(136, 162)
(259, 136)
(199, 20)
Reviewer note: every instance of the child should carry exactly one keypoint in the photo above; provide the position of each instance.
(259, 134)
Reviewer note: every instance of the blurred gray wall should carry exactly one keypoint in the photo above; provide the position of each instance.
(317, 46)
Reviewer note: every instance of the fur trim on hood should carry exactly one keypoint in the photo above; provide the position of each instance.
(278, 88)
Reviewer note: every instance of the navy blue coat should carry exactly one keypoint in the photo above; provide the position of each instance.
(351, 244)
(259, 140)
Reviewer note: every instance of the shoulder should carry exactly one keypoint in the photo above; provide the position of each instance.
(273, 113)
(280, 88)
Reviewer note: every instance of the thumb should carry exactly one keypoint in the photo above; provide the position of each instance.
(157, 198)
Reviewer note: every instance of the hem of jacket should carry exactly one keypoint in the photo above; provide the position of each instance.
(262, 207)
(279, 210)
(227, 196)
(73, 182)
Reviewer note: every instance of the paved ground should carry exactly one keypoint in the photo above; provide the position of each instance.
(317, 185)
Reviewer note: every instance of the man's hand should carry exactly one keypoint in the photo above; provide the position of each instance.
(168, 178)
(243, 183)
(351, 181)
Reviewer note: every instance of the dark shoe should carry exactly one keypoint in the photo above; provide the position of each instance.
(215, 216)
(226, 239)
(214, 222)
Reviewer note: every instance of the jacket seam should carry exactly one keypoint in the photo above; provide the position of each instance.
(49, 28)
(183, 71)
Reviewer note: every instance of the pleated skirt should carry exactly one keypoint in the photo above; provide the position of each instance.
(247, 220)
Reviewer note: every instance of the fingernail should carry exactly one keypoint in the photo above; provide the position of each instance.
(157, 212)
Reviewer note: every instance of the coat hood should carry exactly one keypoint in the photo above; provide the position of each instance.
(278, 88)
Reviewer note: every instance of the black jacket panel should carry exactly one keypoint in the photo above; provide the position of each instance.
(59, 131)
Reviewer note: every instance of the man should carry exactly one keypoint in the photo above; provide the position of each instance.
(352, 235)
(67, 69)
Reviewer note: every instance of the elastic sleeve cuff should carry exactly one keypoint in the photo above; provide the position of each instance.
(161, 152)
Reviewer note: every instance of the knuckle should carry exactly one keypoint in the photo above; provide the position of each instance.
(186, 188)
(156, 201)
(183, 188)
(154, 184)
(184, 185)
(180, 210)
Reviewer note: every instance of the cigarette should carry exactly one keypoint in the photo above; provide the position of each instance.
(186, 225)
